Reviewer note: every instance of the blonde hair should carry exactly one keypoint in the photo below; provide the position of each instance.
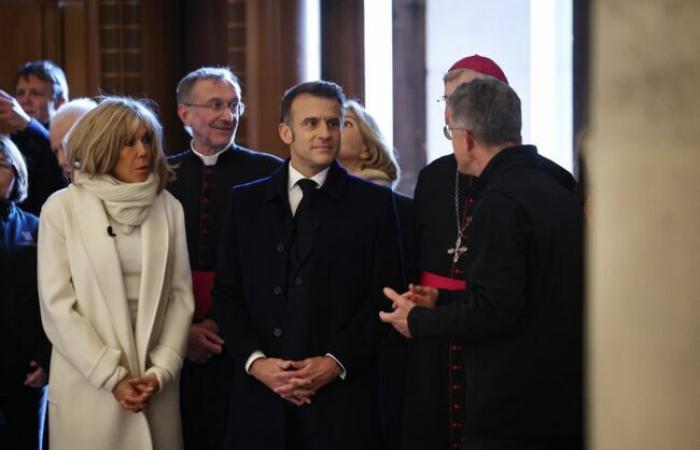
(94, 143)
(13, 156)
(381, 156)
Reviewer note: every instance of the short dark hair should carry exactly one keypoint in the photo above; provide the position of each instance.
(48, 72)
(321, 88)
(490, 108)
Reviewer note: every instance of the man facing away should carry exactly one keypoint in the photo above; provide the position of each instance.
(40, 89)
(303, 257)
(66, 116)
(210, 107)
(433, 413)
(520, 318)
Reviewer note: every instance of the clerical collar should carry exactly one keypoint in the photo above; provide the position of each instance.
(207, 160)
(295, 175)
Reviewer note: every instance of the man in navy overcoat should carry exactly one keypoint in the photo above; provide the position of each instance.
(303, 259)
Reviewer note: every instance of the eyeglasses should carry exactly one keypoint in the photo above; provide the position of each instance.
(447, 131)
(218, 106)
(442, 99)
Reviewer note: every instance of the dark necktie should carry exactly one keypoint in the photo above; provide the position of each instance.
(303, 219)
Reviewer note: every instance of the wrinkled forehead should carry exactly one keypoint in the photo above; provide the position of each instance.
(220, 88)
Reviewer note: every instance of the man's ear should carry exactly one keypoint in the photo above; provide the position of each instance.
(469, 139)
(286, 133)
(183, 113)
(58, 102)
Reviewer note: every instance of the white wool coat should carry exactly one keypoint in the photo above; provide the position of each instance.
(85, 315)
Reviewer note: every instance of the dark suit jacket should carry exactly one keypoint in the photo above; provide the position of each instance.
(45, 175)
(327, 304)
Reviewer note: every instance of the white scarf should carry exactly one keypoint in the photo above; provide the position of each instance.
(127, 204)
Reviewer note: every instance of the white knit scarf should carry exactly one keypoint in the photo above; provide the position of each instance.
(127, 204)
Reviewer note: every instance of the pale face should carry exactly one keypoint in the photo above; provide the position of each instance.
(314, 136)
(135, 158)
(7, 178)
(353, 149)
(36, 98)
(212, 131)
(57, 132)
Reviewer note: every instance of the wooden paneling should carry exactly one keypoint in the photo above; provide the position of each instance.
(121, 47)
(409, 90)
(143, 48)
(162, 59)
(275, 61)
(28, 31)
(343, 45)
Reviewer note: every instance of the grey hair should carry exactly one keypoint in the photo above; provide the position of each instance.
(185, 86)
(490, 109)
(73, 110)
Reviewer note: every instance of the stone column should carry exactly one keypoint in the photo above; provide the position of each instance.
(644, 220)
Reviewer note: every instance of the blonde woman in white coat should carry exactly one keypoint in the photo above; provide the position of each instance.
(115, 289)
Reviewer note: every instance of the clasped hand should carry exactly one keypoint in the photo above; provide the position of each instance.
(133, 393)
(204, 341)
(295, 381)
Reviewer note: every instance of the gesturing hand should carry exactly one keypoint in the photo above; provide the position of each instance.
(204, 341)
(399, 317)
(11, 113)
(422, 295)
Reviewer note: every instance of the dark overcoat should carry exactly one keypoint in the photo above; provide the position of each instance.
(328, 303)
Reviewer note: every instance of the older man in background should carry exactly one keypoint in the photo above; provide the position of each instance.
(64, 119)
(210, 107)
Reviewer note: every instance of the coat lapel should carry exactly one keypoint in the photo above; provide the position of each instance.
(154, 242)
(101, 249)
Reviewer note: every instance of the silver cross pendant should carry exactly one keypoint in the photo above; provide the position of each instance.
(458, 250)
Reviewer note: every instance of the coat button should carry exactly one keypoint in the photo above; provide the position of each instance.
(277, 290)
(279, 248)
(277, 332)
(298, 281)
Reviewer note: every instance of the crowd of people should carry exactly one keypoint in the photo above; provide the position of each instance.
(224, 298)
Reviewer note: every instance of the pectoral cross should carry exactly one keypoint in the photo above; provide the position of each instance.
(458, 250)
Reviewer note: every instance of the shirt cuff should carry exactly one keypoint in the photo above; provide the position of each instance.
(253, 356)
(343, 372)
